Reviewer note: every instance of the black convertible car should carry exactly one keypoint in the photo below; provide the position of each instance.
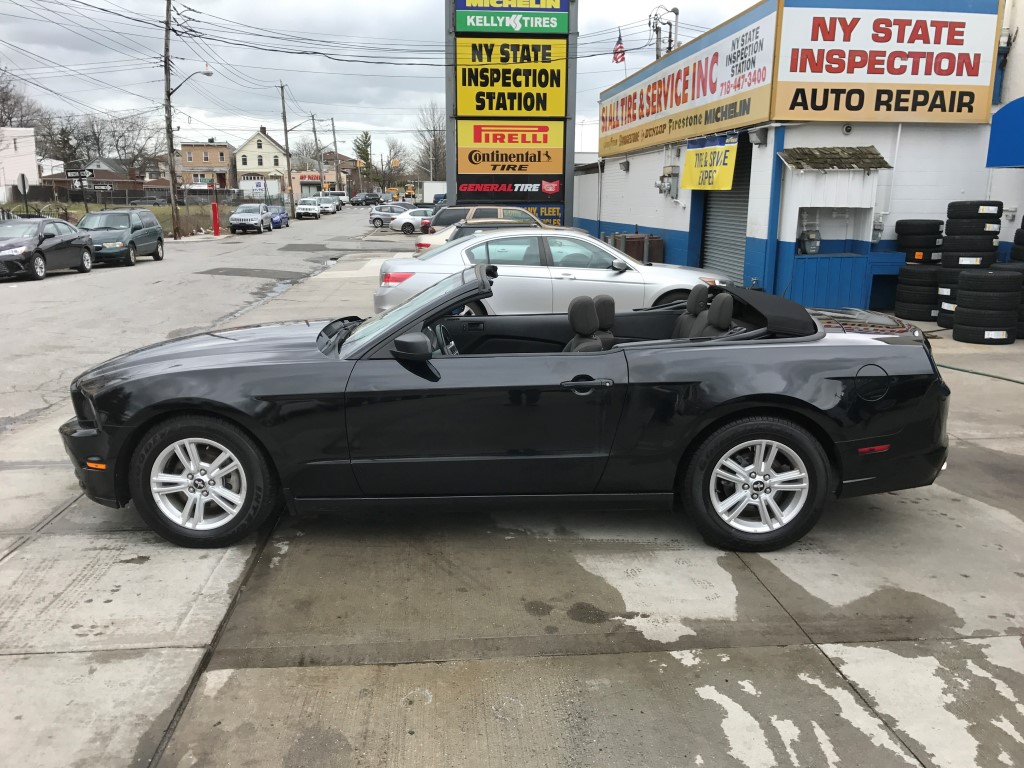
(751, 411)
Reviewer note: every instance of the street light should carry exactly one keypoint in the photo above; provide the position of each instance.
(168, 92)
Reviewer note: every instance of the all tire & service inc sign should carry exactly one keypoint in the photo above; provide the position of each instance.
(513, 81)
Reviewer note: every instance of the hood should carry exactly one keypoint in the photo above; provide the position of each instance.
(672, 270)
(100, 236)
(861, 321)
(238, 347)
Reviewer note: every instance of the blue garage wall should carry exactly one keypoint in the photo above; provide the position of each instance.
(677, 242)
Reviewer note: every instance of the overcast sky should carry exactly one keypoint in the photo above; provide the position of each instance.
(97, 60)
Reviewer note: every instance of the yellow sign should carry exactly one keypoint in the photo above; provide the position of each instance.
(510, 77)
(710, 167)
(495, 147)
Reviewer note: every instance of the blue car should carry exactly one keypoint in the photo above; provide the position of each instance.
(279, 216)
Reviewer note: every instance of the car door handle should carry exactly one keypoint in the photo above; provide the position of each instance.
(588, 384)
(568, 276)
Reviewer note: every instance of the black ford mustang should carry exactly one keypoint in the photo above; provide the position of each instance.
(752, 413)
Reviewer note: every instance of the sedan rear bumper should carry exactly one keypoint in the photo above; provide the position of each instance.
(89, 445)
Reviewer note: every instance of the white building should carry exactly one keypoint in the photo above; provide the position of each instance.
(261, 164)
(17, 156)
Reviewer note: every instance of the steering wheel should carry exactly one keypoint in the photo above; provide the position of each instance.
(444, 340)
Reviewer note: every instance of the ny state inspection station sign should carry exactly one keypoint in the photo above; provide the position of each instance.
(527, 17)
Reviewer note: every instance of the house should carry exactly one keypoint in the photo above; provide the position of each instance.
(260, 164)
(207, 164)
(17, 156)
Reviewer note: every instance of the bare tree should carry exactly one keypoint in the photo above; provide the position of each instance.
(16, 109)
(430, 142)
(392, 166)
(306, 153)
(136, 140)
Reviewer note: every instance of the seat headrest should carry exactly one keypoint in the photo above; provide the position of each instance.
(720, 313)
(698, 300)
(605, 311)
(583, 316)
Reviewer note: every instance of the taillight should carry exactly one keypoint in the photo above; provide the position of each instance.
(394, 278)
(422, 245)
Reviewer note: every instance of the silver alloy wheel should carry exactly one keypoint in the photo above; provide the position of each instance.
(198, 484)
(759, 486)
(86, 260)
(39, 266)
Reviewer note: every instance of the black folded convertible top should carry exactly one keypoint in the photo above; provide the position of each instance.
(783, 317)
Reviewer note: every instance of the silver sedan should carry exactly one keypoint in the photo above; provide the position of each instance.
(541, 271)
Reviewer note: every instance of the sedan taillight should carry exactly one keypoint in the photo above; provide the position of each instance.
(394, 278)
(422, 245)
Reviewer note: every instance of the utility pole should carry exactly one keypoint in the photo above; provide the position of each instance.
(337, 174)
(287, 152)
(175, 225)
(319, 154)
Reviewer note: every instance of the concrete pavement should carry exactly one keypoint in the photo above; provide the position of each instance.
(890, 636)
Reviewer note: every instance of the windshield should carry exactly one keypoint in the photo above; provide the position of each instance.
(276, 209)
(308, 201)
(247, 209)
(104, 221)
(396, 317)
(9, 229)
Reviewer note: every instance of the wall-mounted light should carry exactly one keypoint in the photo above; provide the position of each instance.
(758, 136)
(624, 166)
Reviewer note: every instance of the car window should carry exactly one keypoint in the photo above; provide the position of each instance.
(247, 209)
(149, 219)
(510, 251)
(50, 229)
(65, 229)
(485, 213)
(136, 221)
(570, 253)
(518, 214)
(449, 216)
(307, 201)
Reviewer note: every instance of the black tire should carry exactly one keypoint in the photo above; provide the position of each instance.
(287, 222)
(991, 336)
(261, 497)
(408, 229)
(158, 254)
(916, 294)
(85, 261)
(974, 209)
(986, 318)
(968, 259)
(1017, 252)
(923, 274)
(133, 256)
(318, 217)
(990, 280)
(695, 491)
(948, 276)
(908, 311)
(919, 242)
(919, 227)
(671, 297)
(37, 267)
(234, 231)
(972, 227)
(988, 299)
(980, 243)
(1018, 237)
(377, 223)
(923, 257)
(1009, 266)
(945, 319)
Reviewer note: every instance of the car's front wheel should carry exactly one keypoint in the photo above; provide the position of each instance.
(201, 482)
(133, 256)
(408, 229)
(85, 261)
(671, 297)
(37, 267)
(756, 484)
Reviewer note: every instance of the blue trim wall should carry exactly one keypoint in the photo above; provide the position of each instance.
(677, 242)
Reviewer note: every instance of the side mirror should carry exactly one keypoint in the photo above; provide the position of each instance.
(413, 347)
(136, 227)
(47, 235)
(619, 265)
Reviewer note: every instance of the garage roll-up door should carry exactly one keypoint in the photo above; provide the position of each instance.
(725, 220)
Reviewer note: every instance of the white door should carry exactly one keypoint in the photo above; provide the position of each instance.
(523, 286)
(581, 268)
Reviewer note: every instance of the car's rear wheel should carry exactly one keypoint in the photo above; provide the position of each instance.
(756, 484)
(201, 482)
(408, 229)
(133, 256)
(85, 261)
(37, 267)
(378, 223)
(158, 254)
(671, 297)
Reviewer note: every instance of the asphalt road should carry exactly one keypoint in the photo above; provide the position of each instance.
(890, 636)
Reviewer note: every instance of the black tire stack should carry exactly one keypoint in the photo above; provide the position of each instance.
(920, 239)
(917, 292)
(948, 279)
(1016, 265)
(972, 234)
(988, 306)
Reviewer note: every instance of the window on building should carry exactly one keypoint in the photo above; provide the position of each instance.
(259, 160)
(206, 157)
(189, 156)
(222, 157)
(259, 143)
(277, 160)
(245, 160)
(195, 178)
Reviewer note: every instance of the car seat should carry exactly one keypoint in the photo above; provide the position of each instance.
(696, 304)
(583, 320)
(605, 306)
(719, 319)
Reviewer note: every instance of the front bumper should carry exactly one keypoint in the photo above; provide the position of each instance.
(88, 444)
(254, 226)
(107, 252)
(13, 266)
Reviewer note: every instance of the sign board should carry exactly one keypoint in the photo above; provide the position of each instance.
(527, 17)
(500, 147)
(550, 214)
(510, 77)
(82, 173)
(103, 186)
(710, 163)
(894, 61)
(720, 81)
(23, 183)
(503, 188)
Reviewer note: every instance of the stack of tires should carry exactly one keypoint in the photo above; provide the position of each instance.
(972, 234)
(917, 292)
(947, 279)
(988, 306)
(1016, 264)
(920, 239)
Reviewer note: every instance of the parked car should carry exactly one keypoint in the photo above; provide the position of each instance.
(439, 198)
(542, 271)
(122, 235)
(410, 221)
(434, 239)
(447, 216)
(327, 204)
(341, 198)
(367, 198)
(33, 248)
(210, 435)
(279, 216)
(308, 208)
(384, 214)
(149, 201)
(253, 217)
(480, 226)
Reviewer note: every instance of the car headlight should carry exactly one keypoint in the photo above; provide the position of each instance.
(118, 244)
(14, 251)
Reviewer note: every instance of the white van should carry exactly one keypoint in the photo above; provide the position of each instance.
(341, 198)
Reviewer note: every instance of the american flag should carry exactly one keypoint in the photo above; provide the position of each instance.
(619, 51)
